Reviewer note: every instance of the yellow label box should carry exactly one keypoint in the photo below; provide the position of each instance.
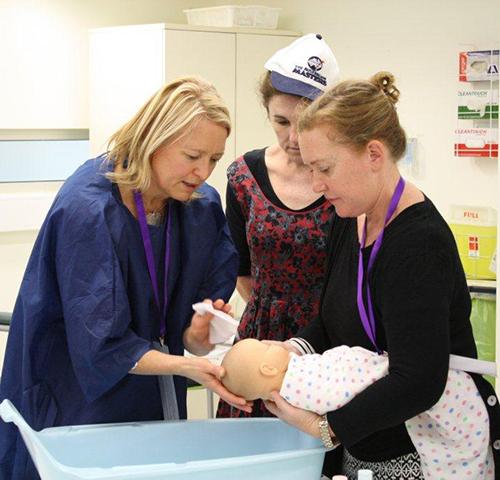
(475, 231)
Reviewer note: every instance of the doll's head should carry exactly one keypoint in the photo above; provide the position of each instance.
(254, 369)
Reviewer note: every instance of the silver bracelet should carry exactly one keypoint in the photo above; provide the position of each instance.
(324, 432)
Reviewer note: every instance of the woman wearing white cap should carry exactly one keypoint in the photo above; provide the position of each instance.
(279, 224)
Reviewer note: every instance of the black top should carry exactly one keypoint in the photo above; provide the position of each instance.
(257, 166)
(422, 308)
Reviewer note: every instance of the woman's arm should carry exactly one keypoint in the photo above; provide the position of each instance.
(316, 336)
(305, 420)
(412, 294)
(237, 226)
(244, 287)
(200, 370)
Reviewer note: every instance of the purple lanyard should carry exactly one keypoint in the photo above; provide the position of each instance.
(148, 249)
(368, 319)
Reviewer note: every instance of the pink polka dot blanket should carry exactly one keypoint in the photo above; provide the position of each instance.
(452, 437)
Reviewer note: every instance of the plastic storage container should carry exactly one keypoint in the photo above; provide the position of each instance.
(224, 449)
(234, 16)
(475, 231)
(483, 320)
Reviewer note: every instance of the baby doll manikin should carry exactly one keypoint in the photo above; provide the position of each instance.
(323, 383)
(255, 368)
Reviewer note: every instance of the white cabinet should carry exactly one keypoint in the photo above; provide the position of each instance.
(128, 64)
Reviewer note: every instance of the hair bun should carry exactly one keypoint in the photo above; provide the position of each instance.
(384, 81)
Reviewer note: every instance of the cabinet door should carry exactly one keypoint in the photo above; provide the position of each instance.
(252, 51)
(126, 68)
(210, 55)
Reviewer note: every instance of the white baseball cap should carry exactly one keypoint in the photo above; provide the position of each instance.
(306, 68)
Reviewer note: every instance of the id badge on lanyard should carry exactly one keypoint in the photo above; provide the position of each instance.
(165, 382)
(148, 249)
(366, 312)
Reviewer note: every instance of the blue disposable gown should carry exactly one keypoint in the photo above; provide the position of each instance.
(86, 313)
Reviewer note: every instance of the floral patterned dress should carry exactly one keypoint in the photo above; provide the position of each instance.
(288, 256)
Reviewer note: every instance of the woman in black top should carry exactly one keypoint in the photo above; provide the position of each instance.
(408, 294)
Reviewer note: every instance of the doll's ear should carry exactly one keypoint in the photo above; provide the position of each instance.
(268, 370)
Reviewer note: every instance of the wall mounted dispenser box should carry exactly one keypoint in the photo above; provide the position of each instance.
(478, 65)
(477, 104)
(475, 231)
(476, 142)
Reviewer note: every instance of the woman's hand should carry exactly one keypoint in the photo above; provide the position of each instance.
(205, 373)
(304, 420)
(200, 370)
(196, 339)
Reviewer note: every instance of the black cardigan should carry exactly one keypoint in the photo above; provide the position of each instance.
(422, 308)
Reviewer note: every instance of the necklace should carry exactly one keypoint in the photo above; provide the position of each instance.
(155, 218)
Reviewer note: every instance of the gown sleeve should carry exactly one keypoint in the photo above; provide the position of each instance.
(102, 346)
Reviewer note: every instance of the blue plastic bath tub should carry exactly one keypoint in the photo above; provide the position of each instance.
(225, 449)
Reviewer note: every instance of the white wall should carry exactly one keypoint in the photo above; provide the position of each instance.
(44, 84)
(418, 41)
(44, 55)
(44, 58)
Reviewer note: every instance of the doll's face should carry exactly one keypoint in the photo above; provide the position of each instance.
(254, 369)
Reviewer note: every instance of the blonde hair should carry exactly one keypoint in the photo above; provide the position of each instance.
(162, 120)
(359, 111)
